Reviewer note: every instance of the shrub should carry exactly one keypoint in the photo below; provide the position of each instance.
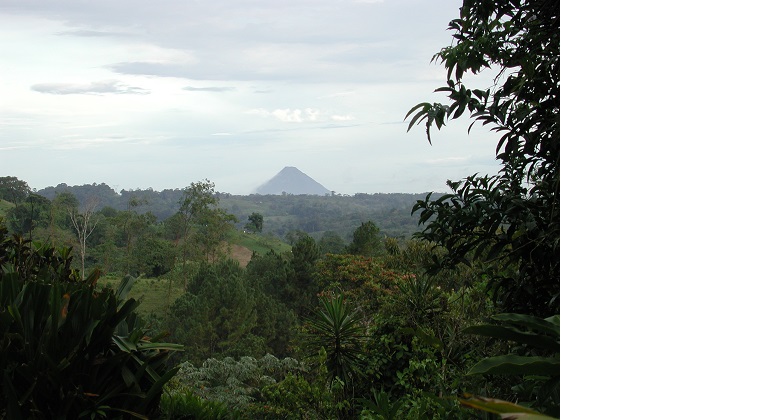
(68, 350)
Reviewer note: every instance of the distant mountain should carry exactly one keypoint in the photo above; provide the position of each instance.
(290, 180)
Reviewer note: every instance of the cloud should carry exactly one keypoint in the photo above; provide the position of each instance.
(339, 94)
(296, 40)
(209, 89)
(89, 33)
(342, 117)
(77, 141)
(94, 88)
(290, 115)
(448, 160)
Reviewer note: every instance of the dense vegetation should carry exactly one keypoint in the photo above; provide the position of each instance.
(282, 214)
(68, 348)
(335, 323)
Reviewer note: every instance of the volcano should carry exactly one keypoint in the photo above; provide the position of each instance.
(290, 180)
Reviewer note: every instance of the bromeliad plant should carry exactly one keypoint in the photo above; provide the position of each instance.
(337, 328)
(68, 350)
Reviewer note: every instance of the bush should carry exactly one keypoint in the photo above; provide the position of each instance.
(67, 349)
(186, 405)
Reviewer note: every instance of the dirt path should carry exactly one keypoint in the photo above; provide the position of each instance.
(241, 254)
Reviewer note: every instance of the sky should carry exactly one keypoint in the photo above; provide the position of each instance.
(164, 93)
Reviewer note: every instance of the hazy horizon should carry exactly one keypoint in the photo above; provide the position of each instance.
(118, 189)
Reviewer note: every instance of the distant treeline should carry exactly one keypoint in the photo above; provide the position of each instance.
(283, 214)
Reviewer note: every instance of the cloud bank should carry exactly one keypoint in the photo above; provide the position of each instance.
(94, 88)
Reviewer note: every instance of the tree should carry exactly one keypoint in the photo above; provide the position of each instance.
(212, 228)
(255, 222)
(60, 231)
(331, 243)
(28, 215)
(13, 189)
(197, 198)
(222, 314)
(507, 224)
(270, 272)
(366, 240)
(211, 224)
(133, 232)
(84, 223)
(302, 288)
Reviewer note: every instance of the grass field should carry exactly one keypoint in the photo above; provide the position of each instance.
(259, 243)
(4, 207)
(154, 293)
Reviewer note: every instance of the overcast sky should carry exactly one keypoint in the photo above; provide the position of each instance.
(163, 93)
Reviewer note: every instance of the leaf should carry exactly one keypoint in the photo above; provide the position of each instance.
(505, 409)
(425, 106)
(550, 325)
(517, 365)
(513, 334)
(125, 287)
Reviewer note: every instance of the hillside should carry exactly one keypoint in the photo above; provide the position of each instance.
(4, 207)
(313, 214)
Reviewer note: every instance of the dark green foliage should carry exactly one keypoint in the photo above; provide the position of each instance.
(68, 350)
(34, 261)
(270, 272)
(520, 41)
(504, 409)
(504, 229)
(102, 193)
(294, 397)
(364, 281)
(381, 406)
(154, 257)
(188, 406)
(282, 214)
(366, 240)
(13, 189)
(223, 314)
(304, 253)
(202, 225)
(255, 222)
(27, 215)
(266, 387)
(507, 225)
(331, 243)
(217, 311)
(336, 328)
(289, 277)
(510, 220)
(234, 382)
(302, 290)
(536, 360)
(131, 243)
(416, 345)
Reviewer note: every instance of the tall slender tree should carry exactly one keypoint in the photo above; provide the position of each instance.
(197, 197)
(84, 223)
